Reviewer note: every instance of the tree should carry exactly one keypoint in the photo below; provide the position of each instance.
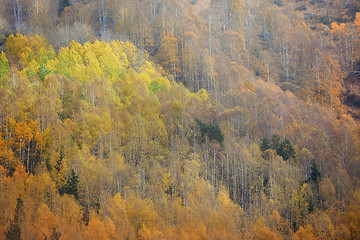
(167, 54)
(4, 66)
(212, 131)
(327, 192)
(265, 144)
(7, 158)
(275, 142)
(71, 185)
(27, 141)
(261, 232)
(315, 174)
(19, 46)
(63, 4)
(357, 20)
(14, 231)
(286, 150)
(43, 72)
(305, 233)
(116, 211)
(59, 162)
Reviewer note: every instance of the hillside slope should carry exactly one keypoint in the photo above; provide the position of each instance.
(96, 143)
(163, 119)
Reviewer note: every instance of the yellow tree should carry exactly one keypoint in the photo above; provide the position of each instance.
(305, 233)
(167, 54)
(343, 36)
(116, 210)
(260, 231)
(7, 157)
(20, 44)
(330, 87)
(96, 228)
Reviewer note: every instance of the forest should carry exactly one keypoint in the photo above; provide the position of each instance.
(179, 119)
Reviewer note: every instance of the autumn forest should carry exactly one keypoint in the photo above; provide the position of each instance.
(179, 119)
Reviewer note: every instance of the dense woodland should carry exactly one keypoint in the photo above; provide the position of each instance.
(178, 119)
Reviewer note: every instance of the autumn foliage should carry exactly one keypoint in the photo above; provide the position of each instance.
(176, 120)
(102, 145)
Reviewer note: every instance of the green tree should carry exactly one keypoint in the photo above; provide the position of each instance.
(265, 144)
(71, 185)
(286, 149)
(63, 4)
(43, 72)
(212, 131)
(4, 65)
(275, 142)
(59, 162)
(315, 174)
(14, 231)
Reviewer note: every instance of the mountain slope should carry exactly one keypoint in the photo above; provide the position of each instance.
(103, 145)
(161, 119)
